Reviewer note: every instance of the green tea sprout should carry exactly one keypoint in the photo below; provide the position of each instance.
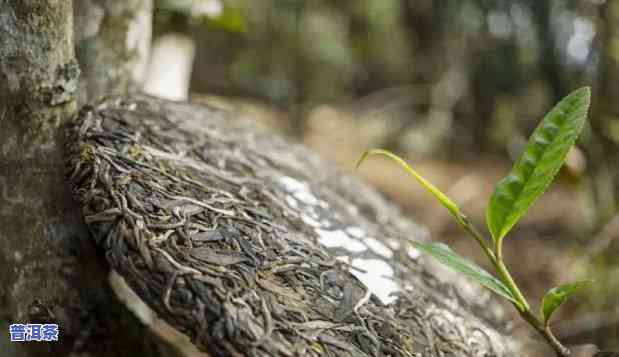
(530, 176)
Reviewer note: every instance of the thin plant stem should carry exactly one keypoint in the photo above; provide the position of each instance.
(507, 277)
(472, 230)
(496, 261)
(511, 284)
(545, 331)
(522, 306)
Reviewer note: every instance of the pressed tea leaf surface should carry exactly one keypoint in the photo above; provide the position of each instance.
(542, 158)
(234, 236)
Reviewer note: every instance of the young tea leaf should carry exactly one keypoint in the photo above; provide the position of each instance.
(557, 296)
(448, 203)
(535, 169)
(448, 257)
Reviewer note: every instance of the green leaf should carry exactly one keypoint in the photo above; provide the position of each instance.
(557, 296)
(448, 257)
(535, 169)
(448, 203)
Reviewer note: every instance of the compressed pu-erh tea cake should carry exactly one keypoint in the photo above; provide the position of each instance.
(252, 246)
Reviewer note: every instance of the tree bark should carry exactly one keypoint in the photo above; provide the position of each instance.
(39, 79)
(49, 272)
(112, 41)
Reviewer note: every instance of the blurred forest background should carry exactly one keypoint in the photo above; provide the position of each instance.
(455, 87)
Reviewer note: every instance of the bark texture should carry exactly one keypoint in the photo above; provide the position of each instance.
(38, 78)
(49, 271)
(112, 41)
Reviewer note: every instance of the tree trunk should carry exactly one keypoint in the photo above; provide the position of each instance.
(49, 272)
(113, 43)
